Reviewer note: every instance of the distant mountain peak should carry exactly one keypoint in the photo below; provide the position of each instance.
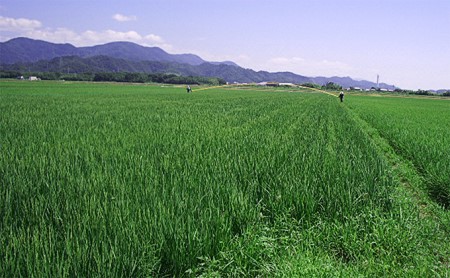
(22, 50)
(129, 56)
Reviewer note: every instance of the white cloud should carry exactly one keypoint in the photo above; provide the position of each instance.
(59, 35)
(18, 24)
(124, 18)
(21, 27)
(111, 35)
(90, 37)
(154, 38)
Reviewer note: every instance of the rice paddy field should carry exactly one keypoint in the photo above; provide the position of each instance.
(112, 180)
(419, 130)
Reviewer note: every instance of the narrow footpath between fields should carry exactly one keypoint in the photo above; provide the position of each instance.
(410, 195)
(412, 189)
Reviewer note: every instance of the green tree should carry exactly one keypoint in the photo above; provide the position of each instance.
(332, 86)
(311, 85)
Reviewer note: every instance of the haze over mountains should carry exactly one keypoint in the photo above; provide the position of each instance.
(36, 55)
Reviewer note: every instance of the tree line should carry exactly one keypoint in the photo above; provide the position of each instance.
(336, 87)
(167, 78)
(131, 77)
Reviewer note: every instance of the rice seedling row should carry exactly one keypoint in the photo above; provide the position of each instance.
(419, 130)
(117, 180)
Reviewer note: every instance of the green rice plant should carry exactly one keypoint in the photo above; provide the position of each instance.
(418, 130)
(139, 180)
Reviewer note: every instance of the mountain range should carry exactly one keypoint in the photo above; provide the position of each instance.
(24, 54)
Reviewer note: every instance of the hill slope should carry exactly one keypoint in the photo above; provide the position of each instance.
(36, 55)
(27, 50)
(75, 64)
(23, 50)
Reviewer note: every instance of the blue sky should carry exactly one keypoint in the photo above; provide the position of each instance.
(406, 42)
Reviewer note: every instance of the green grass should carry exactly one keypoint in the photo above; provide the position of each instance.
(138, 180)
(419, 130)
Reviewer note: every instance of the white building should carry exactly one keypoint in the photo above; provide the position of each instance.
(286, 84)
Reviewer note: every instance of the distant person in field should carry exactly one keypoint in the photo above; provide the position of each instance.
(188, 89)
(341, 96)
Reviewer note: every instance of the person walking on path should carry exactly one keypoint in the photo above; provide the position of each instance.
(341, 96)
